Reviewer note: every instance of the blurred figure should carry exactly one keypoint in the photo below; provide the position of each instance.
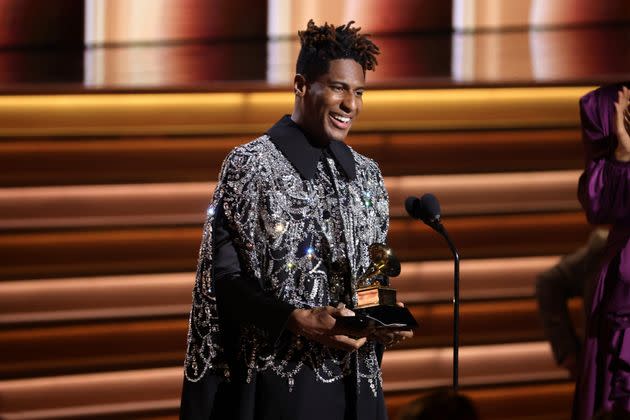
(572, 276)
(440, 405)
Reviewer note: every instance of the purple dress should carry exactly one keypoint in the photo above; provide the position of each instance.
(604, 191)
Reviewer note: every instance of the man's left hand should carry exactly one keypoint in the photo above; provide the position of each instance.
(391, 338)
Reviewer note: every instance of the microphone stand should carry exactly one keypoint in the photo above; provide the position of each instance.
(435, 224)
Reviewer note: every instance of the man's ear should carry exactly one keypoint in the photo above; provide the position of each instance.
(299, 85)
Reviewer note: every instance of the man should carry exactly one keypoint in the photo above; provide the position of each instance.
(287, 235)
(573, 276)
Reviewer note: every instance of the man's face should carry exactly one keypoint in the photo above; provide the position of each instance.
(333, 101)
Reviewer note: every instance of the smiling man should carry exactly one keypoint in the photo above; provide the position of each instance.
(287, 236)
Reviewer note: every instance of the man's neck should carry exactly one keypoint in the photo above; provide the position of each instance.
(314, 140)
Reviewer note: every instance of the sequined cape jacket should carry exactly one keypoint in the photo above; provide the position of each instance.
(281, 236)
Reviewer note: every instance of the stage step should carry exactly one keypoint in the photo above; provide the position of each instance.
(144, 159)
(157, 340)
(138, 296)
(62, 253)
(404, 370)
(139, 391)
(185, 203)
(486, 278)
(517, 402)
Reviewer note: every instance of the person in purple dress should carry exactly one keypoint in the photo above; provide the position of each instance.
(604, 190)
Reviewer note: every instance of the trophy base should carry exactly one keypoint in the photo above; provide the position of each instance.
(375, 295)
(376, 308)
(389, 317)
(394, 318)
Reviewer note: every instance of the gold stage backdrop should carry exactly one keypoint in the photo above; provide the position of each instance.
(470, 15)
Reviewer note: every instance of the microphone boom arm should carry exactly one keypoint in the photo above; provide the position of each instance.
(427, 209)
(442, 231)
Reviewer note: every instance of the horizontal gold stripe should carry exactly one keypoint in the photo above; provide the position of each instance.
(253, 112)
(402, 370)
(85, 206)
(132, 296)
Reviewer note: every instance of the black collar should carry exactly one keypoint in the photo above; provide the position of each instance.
(289, 138)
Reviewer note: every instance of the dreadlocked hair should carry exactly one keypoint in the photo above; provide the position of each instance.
(322, 44)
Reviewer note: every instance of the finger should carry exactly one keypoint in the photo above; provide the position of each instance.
(352, 332)
(339, 311)
(402, 305)
(620, 106)
(405, 334)
(346, 312)
(323, 318)
(329, 342)
(347, 342)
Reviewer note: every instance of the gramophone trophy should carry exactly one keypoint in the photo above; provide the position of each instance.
(376, 303)
(370, 292)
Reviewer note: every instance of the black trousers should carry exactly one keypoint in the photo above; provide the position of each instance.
(267, 397)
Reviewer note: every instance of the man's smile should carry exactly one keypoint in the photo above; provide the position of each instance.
(340, 121)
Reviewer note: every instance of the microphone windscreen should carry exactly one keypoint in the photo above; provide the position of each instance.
(430, 206)
(412, 205)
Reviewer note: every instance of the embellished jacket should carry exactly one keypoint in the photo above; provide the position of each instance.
(301, 237)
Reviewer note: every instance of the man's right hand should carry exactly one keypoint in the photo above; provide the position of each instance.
(318, 324)
(622, 153)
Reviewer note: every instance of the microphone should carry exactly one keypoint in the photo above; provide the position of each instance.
(412, 205)
(427, 209)
(431, 208)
